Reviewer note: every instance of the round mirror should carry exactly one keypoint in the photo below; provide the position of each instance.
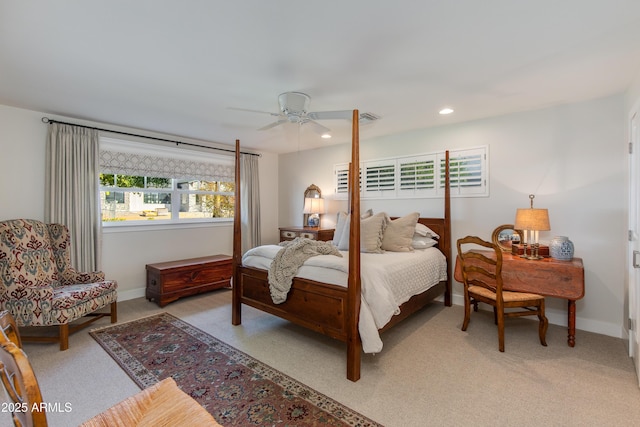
(312, 192)
(505, 236)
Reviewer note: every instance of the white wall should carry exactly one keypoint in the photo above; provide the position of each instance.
(125, 254)
(572, 157)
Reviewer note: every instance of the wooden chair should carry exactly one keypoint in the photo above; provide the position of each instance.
(10, 328)
(482, 280)
(18, 378)
(162, 404)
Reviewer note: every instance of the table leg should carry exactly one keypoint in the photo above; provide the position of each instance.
(572, 323)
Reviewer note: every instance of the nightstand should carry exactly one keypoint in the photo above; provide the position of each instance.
(290, 233)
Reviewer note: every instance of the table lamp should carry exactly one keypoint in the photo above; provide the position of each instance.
(313, 207)
(532, 220)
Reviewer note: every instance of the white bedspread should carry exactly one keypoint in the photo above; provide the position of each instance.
(388, 280)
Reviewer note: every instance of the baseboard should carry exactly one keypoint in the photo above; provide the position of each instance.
(131, 294)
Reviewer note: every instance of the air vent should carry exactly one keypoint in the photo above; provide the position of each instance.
(368, 117)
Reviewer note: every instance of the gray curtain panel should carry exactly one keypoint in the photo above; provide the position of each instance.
(250, 193)
(72, 188)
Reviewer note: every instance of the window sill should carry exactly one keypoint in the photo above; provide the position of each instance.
(123, 227)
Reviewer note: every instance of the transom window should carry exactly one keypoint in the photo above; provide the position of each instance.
(419, 176)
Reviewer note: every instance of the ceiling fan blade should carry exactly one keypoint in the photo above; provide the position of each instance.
(274, 124)
(331, 115)
(317, 127)
(254, 111)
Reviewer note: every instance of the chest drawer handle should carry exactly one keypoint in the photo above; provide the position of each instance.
(289, 233)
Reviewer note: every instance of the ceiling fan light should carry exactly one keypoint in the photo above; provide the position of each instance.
(325, 136)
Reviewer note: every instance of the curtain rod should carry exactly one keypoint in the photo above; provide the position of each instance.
(48, 120)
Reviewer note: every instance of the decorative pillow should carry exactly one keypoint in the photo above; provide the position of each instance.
(423, 230)
(371, 231)
(340, 223)
(342, 227)
(399, 232)
(422, 242)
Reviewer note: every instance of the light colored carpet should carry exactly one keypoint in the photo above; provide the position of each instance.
(429, 372)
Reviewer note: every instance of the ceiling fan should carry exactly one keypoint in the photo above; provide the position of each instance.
(294, 108)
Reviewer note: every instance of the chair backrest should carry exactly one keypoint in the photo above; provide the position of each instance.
(481, 263)
(18, 378)
(60, 240)
(26, 254)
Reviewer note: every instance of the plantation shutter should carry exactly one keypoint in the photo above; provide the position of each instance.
(466, 171)
(417, 176)
(380, 178)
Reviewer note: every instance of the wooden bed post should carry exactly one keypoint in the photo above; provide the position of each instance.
(447, 221)
(354, 344)
(236, 306)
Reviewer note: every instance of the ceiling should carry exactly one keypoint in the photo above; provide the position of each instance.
(177, 67)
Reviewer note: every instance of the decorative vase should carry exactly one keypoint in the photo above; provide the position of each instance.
(561, 248)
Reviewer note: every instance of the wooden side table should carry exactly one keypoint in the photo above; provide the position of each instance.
(548, 277)
(290, 233)
(168, 281)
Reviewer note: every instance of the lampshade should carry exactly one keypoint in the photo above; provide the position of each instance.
(313, 205)
(532, 219)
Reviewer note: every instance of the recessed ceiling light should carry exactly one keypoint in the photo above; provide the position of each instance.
(325, 136)
(446, 111)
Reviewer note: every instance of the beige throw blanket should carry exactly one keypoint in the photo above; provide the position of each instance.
(287, 261)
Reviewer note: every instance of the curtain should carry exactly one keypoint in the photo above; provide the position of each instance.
(250, 202)
(72, 188)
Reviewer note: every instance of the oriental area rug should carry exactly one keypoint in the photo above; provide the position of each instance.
(235, 388)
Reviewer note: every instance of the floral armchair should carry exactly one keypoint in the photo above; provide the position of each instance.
(39, 287)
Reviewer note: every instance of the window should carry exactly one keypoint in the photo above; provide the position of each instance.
(140, 186)
(416, 176)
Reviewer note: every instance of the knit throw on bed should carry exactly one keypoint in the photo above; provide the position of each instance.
(288, 260)
(235, 388)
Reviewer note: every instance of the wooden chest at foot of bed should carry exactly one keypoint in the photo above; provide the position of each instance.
(168, 281)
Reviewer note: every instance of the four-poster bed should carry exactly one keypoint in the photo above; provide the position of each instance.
(331, 309)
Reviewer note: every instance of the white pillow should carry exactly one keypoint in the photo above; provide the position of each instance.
(371, 232)
(423, 230)
(399, 233)
(340, 223)
(422, 242)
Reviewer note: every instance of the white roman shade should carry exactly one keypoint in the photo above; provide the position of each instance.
(163, 162)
